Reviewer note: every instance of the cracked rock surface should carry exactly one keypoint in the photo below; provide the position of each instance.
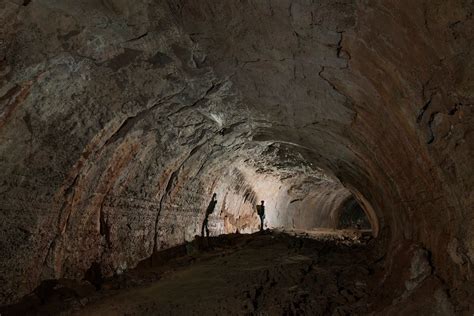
(119, 120)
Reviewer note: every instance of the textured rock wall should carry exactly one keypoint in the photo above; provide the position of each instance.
(96, 132)
(118, 120)
(414, 80)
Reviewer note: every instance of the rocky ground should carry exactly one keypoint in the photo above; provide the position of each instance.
(323, 272)
(270, 273)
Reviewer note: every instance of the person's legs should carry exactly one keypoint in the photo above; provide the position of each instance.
(261, 223)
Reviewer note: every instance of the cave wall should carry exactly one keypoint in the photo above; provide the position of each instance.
(96, 129)
(118, 121)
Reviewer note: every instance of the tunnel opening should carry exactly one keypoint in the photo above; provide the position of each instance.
(299, 195)
(352, 215)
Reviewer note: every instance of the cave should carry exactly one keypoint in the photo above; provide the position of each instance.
(352, 120)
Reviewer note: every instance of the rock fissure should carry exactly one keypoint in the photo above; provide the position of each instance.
(422, 111)
(139, 37)
(430, 128)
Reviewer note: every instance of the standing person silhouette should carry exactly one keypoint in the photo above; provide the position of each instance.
(261, 214)
(209, 210)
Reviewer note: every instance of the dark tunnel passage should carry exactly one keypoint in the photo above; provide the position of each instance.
(352, 215)
(352, 120)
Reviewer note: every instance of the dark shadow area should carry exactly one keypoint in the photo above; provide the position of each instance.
(52, 297)
(94, 275)
(352, 216)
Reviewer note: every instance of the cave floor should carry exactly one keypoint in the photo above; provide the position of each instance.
(321, 272)
(269, 273)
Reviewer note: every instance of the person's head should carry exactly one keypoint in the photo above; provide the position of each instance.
(263, 202)
(214, 196)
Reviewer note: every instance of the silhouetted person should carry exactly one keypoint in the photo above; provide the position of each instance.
(261, 214)
(209, 211)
